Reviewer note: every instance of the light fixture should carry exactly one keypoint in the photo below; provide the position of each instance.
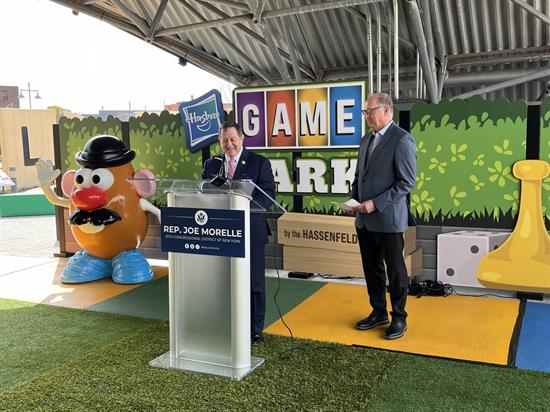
(29, 90)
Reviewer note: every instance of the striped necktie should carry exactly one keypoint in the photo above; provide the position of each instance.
(231, 171)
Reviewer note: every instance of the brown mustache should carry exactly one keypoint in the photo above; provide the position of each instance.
(96, 217)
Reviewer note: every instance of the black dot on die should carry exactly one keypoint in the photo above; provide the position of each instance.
(474, 249)
(450, 272)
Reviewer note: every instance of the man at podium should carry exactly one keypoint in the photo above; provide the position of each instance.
(236, 163)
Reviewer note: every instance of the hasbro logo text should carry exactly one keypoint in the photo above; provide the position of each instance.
(202, 121)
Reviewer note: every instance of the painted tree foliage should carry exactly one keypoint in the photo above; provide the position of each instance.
(466, 150)
(74, 133)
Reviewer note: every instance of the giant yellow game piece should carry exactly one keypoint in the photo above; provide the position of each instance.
(522, 263)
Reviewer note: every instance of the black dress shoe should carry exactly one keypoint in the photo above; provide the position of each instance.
(256, 338)
(372, 321)
(396, 330)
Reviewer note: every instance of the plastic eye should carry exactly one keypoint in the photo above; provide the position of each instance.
(82, 178)
(102, 178)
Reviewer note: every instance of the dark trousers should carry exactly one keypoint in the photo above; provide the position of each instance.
(377, 248)
(257, 289)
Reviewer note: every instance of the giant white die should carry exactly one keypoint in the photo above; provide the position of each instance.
(459, 254)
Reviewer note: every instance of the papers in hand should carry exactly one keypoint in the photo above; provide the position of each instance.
(348, 204)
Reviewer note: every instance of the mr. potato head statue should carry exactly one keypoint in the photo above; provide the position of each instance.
(107, 206)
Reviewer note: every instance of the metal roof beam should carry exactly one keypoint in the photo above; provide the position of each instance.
(528, 54)
(312, 8)
(256, 37)
(431, 84)
(440, 47)
(297, 27)
(272, 14)
(293, 56)
(206, 24)
(134, 18)
(538, 74)
(144, 12)
(257, 9)
(428, 34)
(362, 16)
(274, 49)
(232, 4)
(204, 60)
(530, 9)
(408, 81)
(156, 20)
(230, 45)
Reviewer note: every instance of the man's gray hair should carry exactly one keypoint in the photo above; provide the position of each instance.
(385, 99)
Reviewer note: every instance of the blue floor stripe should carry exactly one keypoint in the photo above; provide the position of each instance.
(534, 348)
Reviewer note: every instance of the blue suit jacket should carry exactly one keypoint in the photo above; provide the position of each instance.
(387, 177)
(258, 169)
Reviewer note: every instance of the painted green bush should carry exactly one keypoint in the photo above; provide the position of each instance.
(74, 133)
(545, 152)
(465, 151)
(159, 142)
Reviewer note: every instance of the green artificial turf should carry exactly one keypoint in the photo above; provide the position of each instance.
(72, 360)
(430, 384)
(37, 338)
(117, 377)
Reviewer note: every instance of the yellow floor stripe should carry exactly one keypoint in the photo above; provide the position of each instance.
(459, 327)
(41, 284)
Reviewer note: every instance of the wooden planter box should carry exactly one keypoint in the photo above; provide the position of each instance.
(328, 245)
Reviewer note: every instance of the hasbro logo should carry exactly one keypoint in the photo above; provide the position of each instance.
(202, 118)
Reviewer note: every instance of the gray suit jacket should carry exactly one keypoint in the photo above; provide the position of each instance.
(387, 178)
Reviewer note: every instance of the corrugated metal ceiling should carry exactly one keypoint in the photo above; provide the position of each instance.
(468, 44)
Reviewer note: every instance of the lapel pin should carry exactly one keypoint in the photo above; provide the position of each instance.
(243, 162)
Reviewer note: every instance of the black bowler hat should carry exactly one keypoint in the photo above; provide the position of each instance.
(104, 151)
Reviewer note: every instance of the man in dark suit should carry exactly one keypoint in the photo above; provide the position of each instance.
(239, 163)
(385, 174)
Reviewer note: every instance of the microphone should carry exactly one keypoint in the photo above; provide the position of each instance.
(220, 178)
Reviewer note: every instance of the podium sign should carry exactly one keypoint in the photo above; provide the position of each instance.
(213, 232)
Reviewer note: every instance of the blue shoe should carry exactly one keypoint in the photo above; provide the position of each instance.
(83, 267)
(131, 267)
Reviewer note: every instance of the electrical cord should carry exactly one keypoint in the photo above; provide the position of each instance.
(483, 294)
(294, 343)
(438, 288)
(292, 338)
(334, 277)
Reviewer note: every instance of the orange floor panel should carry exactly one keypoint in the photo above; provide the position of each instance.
(458, 327)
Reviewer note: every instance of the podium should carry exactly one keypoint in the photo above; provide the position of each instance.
(206, 231)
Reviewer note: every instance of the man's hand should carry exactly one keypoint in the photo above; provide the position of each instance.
(45, 172)
(366, 207)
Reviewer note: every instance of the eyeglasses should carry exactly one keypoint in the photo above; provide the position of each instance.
(367, 112)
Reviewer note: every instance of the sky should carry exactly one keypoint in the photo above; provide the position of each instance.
(86, 65)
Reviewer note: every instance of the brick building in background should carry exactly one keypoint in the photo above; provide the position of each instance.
(9, 96)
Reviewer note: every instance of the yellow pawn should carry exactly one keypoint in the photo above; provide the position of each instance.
(522, 263)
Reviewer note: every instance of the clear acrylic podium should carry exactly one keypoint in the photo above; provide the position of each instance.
(209, 296)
